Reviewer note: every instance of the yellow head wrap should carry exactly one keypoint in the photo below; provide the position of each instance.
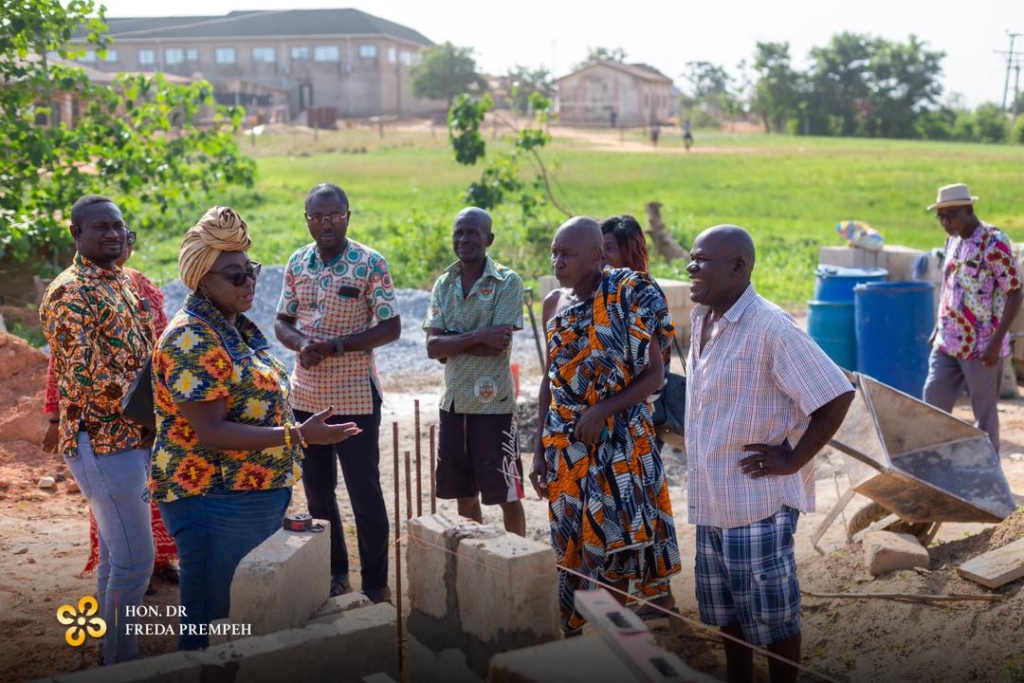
(220, 229)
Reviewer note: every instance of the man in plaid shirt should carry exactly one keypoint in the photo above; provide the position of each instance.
(762, 400)
(337, 305)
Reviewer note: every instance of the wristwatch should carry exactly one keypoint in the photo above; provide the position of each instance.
(339, 346)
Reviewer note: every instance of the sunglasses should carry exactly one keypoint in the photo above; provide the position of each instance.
(238, 277)
(948, 213)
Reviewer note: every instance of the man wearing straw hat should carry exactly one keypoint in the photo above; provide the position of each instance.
(980, 297)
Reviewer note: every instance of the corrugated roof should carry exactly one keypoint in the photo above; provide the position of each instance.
(641, 71)
(256, 24)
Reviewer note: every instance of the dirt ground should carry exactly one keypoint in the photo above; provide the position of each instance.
(44, 543)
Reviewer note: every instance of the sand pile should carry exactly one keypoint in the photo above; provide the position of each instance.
(22, 423)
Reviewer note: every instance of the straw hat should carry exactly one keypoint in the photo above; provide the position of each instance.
(953, 195)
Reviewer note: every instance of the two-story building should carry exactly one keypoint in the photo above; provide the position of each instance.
(604, 92)
(345, 59)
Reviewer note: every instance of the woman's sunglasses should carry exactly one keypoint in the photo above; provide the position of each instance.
(238, 277)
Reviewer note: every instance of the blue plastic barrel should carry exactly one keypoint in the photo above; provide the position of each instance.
(831, 325)
(836, 283)
(894, 321)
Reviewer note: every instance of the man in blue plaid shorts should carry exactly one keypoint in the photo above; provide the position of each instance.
(762, 400)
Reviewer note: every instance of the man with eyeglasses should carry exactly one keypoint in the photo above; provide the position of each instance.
(100, 336)
(337, 305)
(980, 297)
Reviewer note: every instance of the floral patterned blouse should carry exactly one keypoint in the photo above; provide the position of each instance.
(978, 273)
(201, 357)
(100, 336)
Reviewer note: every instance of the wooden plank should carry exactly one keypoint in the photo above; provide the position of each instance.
(996, 567)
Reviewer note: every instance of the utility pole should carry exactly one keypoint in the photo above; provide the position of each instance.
(1009, 65)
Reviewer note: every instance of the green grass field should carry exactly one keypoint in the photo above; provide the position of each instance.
(789, 192)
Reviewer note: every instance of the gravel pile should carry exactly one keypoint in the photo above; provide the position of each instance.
(407, 356)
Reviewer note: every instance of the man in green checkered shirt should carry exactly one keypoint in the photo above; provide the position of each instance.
(474, 307)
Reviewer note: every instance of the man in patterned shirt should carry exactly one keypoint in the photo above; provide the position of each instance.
(474, 307)
(337, 305)
(100, 335)
(761, 400)
(981, 296)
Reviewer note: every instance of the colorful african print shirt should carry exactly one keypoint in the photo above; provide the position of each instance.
(99, 337)
(202, 357)
(328, 300)
(609, 507)
(977, 274)
(477, 384)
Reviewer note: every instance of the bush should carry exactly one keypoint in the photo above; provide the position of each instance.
(991, 120)
(1018, 131)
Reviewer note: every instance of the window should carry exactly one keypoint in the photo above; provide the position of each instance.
(300, 52)
(147, 57)
(224, 55)
(111, 56)
(392, 55)
(368, 52)
(87, 56)
(264, 55)
(406, 58)
(192, 54)
(174, 55)
(326, 53)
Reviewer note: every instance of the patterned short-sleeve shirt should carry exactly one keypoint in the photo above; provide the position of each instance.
(100, 336)
(348, 295)
(977, 275)
(200, 357)
(477, 384)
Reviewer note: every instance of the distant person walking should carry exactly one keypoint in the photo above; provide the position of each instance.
(655, 133)
(981, 295)
(687, 134)
(475, 306)
(337, 306)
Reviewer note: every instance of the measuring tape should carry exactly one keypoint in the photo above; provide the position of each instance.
(301, 522)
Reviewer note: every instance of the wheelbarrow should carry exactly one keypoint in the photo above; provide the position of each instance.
(916, 462)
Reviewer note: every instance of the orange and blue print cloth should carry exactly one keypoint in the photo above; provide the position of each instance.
(609, 508)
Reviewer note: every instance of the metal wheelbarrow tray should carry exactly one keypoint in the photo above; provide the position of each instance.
(917, 461)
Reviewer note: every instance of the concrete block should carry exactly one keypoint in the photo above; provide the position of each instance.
(336, 606)
(547, 284)
(282, 582)
(996, 567)
(429, 665)
(849, 257)
(885, 551)
(507, 584)
(427, 553)
(899, 261)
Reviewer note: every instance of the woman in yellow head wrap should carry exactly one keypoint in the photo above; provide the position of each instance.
(227, 447)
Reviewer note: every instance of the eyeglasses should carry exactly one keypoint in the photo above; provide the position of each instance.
(131, 237)
(948, 214)
(238, 277)
(335, 217)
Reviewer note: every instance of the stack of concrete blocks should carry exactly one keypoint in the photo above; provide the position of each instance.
(279, 589)
(677, 296)
(474, 591)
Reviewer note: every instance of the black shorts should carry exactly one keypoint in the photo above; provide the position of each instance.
(479, 454)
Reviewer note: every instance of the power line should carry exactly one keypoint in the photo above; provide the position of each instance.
(1009, 64)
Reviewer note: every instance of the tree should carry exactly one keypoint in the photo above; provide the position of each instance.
(777, 89)
(604, 54)
(446, 72)
(522, 82)
(121, 144)
(992, 124)
(710, 92)
(838, 87)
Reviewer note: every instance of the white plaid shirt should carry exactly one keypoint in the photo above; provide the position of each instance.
(757, 380)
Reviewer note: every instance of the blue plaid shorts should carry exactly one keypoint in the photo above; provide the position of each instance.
(747, 575)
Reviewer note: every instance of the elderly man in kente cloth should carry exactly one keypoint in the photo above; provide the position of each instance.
(609, 508)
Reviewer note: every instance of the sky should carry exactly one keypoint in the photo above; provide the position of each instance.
(557, 33)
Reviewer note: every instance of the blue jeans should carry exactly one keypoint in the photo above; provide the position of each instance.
(213, 533)
(115, 486)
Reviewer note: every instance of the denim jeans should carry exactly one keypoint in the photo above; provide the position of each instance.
(213, 533)
(360, 464)
(115, 486)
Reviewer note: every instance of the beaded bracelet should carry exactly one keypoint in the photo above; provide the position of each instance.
(302, 439)
(287, 435)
